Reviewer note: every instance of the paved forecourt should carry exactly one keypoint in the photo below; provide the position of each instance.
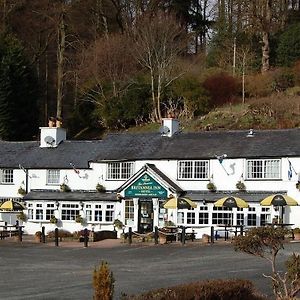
(42, 271)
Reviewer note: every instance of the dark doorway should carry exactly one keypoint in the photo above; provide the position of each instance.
(145, 215)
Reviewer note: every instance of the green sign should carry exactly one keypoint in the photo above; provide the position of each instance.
(146, 186)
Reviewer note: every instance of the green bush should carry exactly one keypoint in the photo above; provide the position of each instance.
(204, 290)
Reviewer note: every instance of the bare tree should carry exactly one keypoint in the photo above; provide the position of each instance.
(158, 42)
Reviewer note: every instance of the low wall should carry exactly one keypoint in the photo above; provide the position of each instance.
(102, 235)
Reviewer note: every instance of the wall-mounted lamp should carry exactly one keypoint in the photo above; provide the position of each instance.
(204, 202)
(57, 204)
(81, 204)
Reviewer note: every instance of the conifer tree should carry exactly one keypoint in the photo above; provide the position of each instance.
(18, 92)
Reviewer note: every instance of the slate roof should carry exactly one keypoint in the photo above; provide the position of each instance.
(251, 196)
(152, 146)
(30, 155)
(202, 145)
(69, 196)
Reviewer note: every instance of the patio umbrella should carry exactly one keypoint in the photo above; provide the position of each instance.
(11, 205)
(180, 203)
(279, 200)
(231, 202)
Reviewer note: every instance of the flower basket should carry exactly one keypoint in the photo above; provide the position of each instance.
(118, 224)
(53, 220)
(22, 217)
(240, 186)
(211, 187)
(100, 188)
(79, 219)
(21, 191)
(65, 188)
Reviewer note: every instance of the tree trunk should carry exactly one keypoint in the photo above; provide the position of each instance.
(60, 64)
(265, 52)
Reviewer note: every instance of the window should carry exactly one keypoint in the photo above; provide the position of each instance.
(7, 176)
(190, 218)
(223, 217)
(265, 216)
(53, 177)
(39, 213)
(251, 217)
(69, 212)
(88, 213)
(109, 213)
(193, 169)
(98, 213)
(263, 169)
(120, 171)
(203, 215)
(50, 211)
(129, 211)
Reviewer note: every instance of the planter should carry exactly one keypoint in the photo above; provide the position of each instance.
(205, 238)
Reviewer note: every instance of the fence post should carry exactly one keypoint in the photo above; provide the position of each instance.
(56, 236)
(130, 235)
(212, 234)
(20, 234)
(156, 235)
(43, 235)
(183, 235)
(85, 237)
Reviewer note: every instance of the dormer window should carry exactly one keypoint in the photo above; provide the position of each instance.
(53, 177)
(7, 176)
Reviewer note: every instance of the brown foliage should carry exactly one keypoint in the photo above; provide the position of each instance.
(103, 283)
(204, 290)
(222, 88)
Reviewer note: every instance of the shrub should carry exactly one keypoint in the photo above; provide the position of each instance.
(222, 88)
(103, 283)
(204, 290)
(61, 233)
(259, 85)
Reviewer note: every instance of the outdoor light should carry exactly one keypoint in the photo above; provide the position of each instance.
(57, 204)
(81, 204)
(204, 202)
(221, 157)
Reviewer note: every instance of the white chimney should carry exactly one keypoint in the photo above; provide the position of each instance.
(51, 137)
(170, 127)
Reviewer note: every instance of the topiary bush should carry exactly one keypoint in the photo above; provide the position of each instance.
(103, 282)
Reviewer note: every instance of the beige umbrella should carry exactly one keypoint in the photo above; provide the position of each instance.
(180, 203)
(231, 202)
(12, 205)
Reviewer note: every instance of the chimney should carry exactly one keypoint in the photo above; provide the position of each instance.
(52, 135)
(169, 127)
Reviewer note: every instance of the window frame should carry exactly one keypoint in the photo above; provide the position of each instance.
(6, 176)
(193, 169)
(119, 170)
(53, 176)
(263, 174)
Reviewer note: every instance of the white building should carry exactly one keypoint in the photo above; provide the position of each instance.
(140, 171)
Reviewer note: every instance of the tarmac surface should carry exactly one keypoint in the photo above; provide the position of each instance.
(31, 270)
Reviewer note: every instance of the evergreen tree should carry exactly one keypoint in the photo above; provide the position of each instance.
(18, 92)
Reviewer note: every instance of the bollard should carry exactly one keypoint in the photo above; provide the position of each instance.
(43, 235)
(130, 235)
(156, 235)
(20, 234)
(85, 237)
(212, 234)
(183, 235)
(17, 224)
(193, 235)
(56, 236)
(242, 230)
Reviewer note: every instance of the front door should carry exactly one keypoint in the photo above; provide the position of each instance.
(145, 215)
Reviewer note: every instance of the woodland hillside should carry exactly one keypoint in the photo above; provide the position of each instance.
(125, 64)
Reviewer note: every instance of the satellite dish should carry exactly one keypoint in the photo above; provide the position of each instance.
(164, 130)
(49, 140)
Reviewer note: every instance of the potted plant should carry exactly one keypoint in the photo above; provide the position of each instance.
(65, 188)
(21, 216)
(210, 186)
(240, 186)
(38, 236)
(79, 219)
(21, 191)
(298, 185)
(296, 232)
(53, 220)
(100, 188)
(118, 224)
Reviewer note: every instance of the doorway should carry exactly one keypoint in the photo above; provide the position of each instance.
(145, 216)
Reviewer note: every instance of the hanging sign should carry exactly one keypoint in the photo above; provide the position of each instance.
(146, 186)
